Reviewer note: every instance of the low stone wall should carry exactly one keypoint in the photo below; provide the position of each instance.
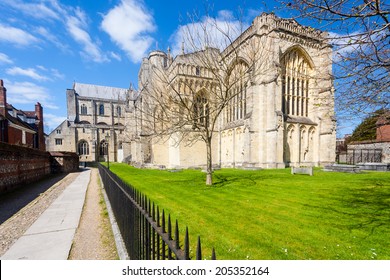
(20, 165)
(64, 162)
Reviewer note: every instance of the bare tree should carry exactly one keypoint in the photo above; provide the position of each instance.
(361, 39)
(187, 98)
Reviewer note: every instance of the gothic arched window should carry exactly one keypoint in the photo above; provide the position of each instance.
(103, 148)
(295, 83)
(83, 110)
(201, 109)
(238, 82)
(83, 148)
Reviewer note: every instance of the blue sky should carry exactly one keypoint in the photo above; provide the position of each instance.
(46, 45)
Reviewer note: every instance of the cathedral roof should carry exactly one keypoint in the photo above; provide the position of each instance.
(104, 92)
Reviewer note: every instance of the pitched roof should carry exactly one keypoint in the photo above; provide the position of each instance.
(104, 92)
(20, 123)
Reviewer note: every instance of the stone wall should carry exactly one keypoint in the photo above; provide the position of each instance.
(64, 162)
(372, 145)
(20, 165)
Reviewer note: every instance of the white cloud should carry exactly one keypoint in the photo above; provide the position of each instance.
(52, 121)
(16, 36)
(36, 73)
(47, 35)
(28, 93)
(226, 15)
(115, 56)
(29, 72)
(129, 25)
(75, 26)
(35, 10)
(4, 59)
(57, 74)
(216, 32)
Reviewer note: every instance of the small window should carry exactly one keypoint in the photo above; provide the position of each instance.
(101, 109)
(58, 131)
(58, 141)
(83, 110)
(119, 111)
(197, 71)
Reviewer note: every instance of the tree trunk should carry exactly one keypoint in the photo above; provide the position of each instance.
(209, 170)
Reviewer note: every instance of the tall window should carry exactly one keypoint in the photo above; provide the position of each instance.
(83, 148)
(83, 109)
(238, 82)
(119, 111)
(201, 109)
(103, 148)
(295, 83)
(197, 71)
(101, 110)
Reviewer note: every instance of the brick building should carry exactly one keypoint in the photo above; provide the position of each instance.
(383, 127)
(17, 127)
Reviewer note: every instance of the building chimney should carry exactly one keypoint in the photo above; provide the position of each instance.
(39, 123)
(3, 98)
(38, 111)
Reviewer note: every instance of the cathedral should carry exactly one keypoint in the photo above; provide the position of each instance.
(264, 101)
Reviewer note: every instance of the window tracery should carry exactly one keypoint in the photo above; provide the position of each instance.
(83, 148)
(295, 83)
(201, 109)
(237, 94)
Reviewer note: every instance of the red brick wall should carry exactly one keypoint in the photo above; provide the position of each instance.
(15, 136)
(383, 133)
(20, 165)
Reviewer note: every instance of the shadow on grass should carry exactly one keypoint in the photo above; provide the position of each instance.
(373, 207)
(221, 180)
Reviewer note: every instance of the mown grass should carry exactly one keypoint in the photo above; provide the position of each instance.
(271, 214)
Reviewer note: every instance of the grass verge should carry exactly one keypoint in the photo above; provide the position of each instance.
(271, 214)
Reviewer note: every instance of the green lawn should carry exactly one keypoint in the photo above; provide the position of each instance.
(271, 214)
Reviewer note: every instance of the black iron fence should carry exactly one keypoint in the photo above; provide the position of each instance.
(146, 232)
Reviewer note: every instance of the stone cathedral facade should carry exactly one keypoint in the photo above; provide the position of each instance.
(281, 114)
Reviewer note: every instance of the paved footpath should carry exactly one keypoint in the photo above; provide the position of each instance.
(51, 236)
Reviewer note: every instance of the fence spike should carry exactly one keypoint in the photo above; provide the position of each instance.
(150, 209)
(153, 212)
(163, 221)
(169, 236)
(213, 256)
(177, 235)
(198, 250)
(187, 246)
(169, 227)
(158, 216)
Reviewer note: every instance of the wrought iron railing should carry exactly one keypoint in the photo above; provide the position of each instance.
(146, 232)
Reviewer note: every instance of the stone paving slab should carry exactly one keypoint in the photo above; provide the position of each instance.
(51, 236)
